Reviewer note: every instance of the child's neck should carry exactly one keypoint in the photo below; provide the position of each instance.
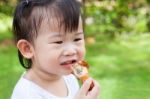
(52, 83)
(41, 77)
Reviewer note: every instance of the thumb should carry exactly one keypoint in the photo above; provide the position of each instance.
(86, 86)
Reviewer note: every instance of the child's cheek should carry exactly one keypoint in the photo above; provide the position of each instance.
(82, 54)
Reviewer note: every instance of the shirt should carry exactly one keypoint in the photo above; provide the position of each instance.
(26, 89)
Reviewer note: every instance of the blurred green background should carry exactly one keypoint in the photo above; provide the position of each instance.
(117, 43)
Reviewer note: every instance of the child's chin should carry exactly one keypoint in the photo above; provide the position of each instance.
(68, 73)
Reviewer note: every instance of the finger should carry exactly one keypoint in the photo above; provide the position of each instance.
(96, 90)
(86, 85)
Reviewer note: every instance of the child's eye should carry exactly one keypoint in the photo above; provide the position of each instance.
(58, 42)
(77, 39)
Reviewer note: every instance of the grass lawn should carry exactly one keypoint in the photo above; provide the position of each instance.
(122, 67)
(9, 70)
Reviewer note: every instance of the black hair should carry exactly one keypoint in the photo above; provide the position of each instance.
(29, 15)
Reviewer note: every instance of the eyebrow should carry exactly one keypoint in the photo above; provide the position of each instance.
(79, 33)
(59, 34)
(56, 34)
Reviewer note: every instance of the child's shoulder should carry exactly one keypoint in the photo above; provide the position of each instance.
(23, 89)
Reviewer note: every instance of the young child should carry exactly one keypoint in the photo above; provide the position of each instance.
(50, 40)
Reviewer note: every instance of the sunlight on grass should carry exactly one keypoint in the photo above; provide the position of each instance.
(5, 26)
(5, 23)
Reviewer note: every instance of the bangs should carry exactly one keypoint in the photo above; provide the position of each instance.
(65, 13)
(69, 11)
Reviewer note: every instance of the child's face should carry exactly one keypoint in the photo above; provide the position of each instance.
(55, 51)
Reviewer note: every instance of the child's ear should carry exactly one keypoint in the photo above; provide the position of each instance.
(25, 48)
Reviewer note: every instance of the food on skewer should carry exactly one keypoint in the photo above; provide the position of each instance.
(80, 70)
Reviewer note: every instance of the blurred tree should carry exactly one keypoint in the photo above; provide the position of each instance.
(148, 15)
(7, 6)
(111, 17)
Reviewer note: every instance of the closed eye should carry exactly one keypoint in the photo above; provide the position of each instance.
(58, 42)
(77, 39)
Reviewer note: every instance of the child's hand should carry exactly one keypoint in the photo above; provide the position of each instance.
(84, 92)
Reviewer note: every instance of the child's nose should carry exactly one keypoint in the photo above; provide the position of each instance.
(70, 51)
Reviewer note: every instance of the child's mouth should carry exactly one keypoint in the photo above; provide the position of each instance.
(68, 64)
